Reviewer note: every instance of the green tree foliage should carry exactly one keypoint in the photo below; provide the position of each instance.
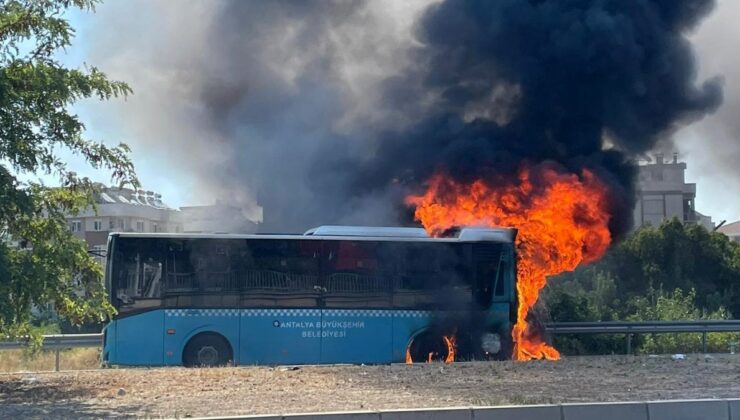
(41, 262)
(671, 272)
(678, 306)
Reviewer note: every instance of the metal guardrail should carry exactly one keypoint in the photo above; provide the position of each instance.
(648, 327)
(629, 328)
(58, 342)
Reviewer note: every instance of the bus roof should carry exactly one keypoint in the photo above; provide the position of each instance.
(380, 231)
(362, 233)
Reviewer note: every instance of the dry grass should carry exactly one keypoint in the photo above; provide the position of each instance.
(73, 359)
(180, 392)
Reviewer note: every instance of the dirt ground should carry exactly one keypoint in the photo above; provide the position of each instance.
(180, 392)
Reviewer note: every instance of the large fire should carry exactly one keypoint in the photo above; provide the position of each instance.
(562, 219)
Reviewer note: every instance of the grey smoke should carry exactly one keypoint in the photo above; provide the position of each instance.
(330, 111)
(250, 97)
(711, 147)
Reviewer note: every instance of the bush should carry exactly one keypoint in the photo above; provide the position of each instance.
(700, 269)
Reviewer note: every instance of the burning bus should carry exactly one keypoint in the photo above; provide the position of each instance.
(336, 294)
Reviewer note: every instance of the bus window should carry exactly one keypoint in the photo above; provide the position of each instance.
(199, 273)
(180, 276)
(355, 275)
(213, 262)
(279, 273)
(138, 275)
(488, 261)
(432, 276)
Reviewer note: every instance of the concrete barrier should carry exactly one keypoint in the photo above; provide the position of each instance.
(651, 410)
(689, 410)
(352, 415)
(539, 412)
(427, 414)
(606, 411)
(734, 406)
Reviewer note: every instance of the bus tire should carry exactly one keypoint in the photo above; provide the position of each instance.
(427, 346)
(207, 350)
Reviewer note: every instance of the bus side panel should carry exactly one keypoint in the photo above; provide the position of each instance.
(498, 315)
(109, 346)
(406, 324)
(356, 336)
(183, 324)
(280, 336)
(139, 339)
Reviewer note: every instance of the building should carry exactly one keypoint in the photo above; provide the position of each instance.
(662, 193)
(732, 230)
(218, 218)
(128, 210)
(123, 210)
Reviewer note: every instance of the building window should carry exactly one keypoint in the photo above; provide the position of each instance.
(155, 227)
(653, 207)
(139, 226)
(115, 223)
(689, 215)
(75, 226)
(97, 225)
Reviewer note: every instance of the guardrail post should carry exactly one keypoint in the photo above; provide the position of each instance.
(56, 351)
(629, 343)
(704, 342)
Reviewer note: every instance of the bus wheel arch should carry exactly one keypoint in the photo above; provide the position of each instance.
(426, 345)
(207, 349)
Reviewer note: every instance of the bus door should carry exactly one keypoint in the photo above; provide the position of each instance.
(356, 317)
(280, 302)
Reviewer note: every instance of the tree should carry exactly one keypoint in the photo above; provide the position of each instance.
(674, 271)
(46, 263)
(671, 256)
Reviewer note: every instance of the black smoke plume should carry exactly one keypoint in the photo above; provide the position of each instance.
(330, 112)
(577, 82)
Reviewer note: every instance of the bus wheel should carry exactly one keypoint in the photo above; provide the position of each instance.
(428, 347)
(207, 350)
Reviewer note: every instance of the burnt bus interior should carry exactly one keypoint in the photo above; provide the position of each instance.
(152, 273)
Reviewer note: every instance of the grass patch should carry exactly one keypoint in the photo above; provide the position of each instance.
(72, 359)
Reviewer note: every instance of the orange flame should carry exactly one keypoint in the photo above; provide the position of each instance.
(451, 347)
(562, 221)
(449, 341)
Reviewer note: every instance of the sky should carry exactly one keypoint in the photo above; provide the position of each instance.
(709, 146)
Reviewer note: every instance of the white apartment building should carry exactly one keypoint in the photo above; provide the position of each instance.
(123, 210)
(128, 210)
(663, 193)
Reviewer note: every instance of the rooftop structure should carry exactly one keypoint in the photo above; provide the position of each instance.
(663, 193)
(141, 211)
(122, 210)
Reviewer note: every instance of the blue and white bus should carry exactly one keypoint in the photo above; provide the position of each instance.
(336, 294)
